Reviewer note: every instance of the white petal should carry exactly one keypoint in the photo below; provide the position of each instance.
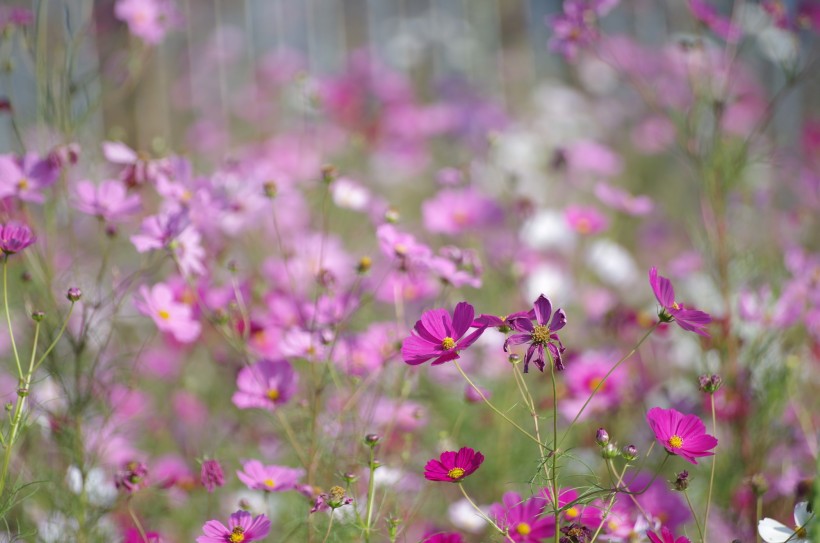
(801, 513)
(773, 532)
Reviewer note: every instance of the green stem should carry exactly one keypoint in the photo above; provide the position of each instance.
(554, 474)
(712, 476)
(758, 516)
(494, 408)
(8, 315)
(482, 515)
(57, 338)
(371, 493)
(329, 525)
(694, 515)
(602, 381)
(611, 500)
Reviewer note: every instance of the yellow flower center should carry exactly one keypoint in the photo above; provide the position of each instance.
(460, 218)
(676, 442)
(675, 305)
(273, 394)
(594, 382)
(541, 334)
(270, 483)
(455, 473)
(237, 535)
(572, 512)
(22, 184)
(400, 248)
(523, 528)
(584, 226)
(800, 532)
(163, 314)
(448, 343)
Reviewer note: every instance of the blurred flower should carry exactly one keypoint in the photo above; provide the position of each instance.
(242, 528)
(539, 335)
(523, 519)
(131, 477)
(585, 220)
(211, 475)
(170, 316)
(258, 476)
(440, 336)
(265, 385)
(149, 20)
(26, 178)
(453, 211)
(333, 499)
(681, 435)
(688, 319)
(772, 531)
(667, 537)
(14, 237)
(109, 200)
(708, 15)
(449, 537)
(452, 466)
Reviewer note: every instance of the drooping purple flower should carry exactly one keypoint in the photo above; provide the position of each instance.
(14, 237)
(242, 528)
(439, 336)
(541, 335)
(211, 475)
(691, 320)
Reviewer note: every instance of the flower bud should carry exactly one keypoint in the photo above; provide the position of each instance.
(329, 173)
(610, 451)
(514, 359)
(364, 265)
(371, 439)
(38, 316)
(602, 437)
(391, 216)
(270, 189)
(74, 294)
(759, 484)
(709, 383)
(350, 477)
(630, 453)
(681, 481)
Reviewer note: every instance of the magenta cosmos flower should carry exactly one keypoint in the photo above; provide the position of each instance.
(452, 466)
(265, 385)
(241, 528)
(439, 336)
(539, 335)
(691, 320)
(681, 435)
(666, 537)
(523, 519)
(14, 237)
(258, 476)
(445, 537)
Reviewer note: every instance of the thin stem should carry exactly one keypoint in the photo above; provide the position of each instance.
(329, 525)
(57, 338)
(611, 499)
(494, 408)
(137, 522)
(758, 516)
(292, 438)
(712, 476)
(482, 515)
(525, 394)
(602, 381)
(8, 315)
(694, 515)
(371, 493)
(554, 474)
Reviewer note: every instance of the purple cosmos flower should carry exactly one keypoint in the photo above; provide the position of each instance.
(212, 475)
(25, 178)
(170, 316)
(131, 477)
(109, 200)
(666, 537)
(448, 537)
(452, 466)
(688, 319)
(242, 528)
(258, 476)
(14, 237)
(577, 27)
(265, 385)
(681, 435)
(523, 519)
(439, 336)
(540, 335)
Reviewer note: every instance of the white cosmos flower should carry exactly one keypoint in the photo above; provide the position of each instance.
(773, 532)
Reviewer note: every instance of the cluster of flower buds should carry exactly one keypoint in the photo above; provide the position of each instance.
(709, 383)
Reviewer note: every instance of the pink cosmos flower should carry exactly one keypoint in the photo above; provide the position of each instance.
(667, 537)
(109, 200)
(523, 519)
(169, 315)
(453, 211)
(147, 19)
(258, 476)
(211, 475)
(688, 319)
(452, 466)
(25, 178)
(448, 537)
(439, 336)
(708, 15)
(622, 200)
(242, 527)
(540, 335)
(265, 385)
(585, 220)
(681, 435)
(14, 237)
